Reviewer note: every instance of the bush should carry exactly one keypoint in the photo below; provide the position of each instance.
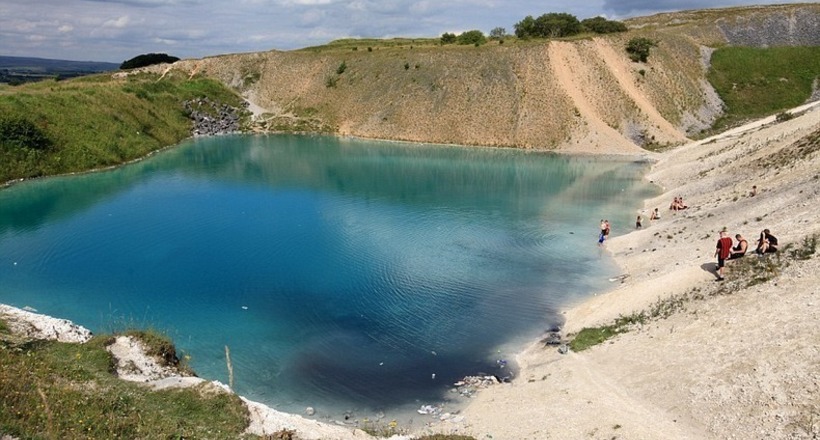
(18, 132)
(638, 48)
(148, 60)
(341, 69)
(498, 33)
(784, 116)
(448, 38)
(601, 25)
(472, 37)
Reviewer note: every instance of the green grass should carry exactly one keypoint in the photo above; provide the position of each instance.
(97, 121)
(759, 82)
(53, 390)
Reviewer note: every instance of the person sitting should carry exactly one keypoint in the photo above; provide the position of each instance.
(655, 215)
(767, 243)
(740, 249)
(677, 204)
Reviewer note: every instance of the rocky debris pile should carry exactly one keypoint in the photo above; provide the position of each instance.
(437, 412)
(553, 339)
(36, 326)
(470, 385)
(212, 117)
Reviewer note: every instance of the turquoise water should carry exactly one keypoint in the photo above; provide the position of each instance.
(343, 274)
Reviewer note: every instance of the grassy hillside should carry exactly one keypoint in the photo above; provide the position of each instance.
(755, 82)
(55, 127)
(54, 390)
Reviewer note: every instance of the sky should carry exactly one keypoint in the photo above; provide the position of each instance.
(118, 30)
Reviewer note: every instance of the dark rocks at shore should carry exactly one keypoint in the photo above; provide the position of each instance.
(553, 339)
(213, 118)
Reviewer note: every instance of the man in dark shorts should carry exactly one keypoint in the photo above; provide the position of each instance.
(740, 249)
(722, 252)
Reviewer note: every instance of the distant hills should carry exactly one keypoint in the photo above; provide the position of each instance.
(16, 70)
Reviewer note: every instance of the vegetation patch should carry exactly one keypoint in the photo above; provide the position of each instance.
(755, 82)
(57, 390)
(160, 347)
(51, 127)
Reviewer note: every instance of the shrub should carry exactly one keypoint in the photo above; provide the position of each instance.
(638, 48)
(148, 60)
(19, 132)
(783, 116)
(341, 69)
(475, 37)
(498, 33)
(601, 25)
(448, 38)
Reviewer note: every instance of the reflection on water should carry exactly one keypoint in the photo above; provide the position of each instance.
(341, 273)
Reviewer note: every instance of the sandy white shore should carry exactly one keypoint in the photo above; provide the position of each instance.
(739, 365)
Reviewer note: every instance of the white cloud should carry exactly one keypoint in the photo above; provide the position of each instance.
(117, 23)
(305, 2)
(65, 28)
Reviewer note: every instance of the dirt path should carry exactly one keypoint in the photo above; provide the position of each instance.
(564, 63)
(621, 71)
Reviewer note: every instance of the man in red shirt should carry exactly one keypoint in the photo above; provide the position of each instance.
(722, 252)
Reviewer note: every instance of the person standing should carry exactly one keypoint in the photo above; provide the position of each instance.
(638, 222)
(722, 252)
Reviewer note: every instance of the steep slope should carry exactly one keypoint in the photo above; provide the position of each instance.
(581, 95)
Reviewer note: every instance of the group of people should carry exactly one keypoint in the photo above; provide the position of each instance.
(727, 250)
(677, 204)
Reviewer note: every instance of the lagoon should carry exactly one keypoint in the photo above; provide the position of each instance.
(349, 275)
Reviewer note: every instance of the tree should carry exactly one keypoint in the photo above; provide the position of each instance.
(555, 25)
(147, 60)
(525, 28)
(498, 33)
(472, 37)
(551, 25)
(448, 38)
(638, 48)
(601, 25)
